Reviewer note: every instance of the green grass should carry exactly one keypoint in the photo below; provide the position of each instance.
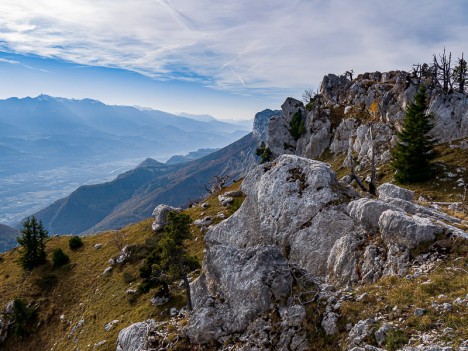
(449, 278)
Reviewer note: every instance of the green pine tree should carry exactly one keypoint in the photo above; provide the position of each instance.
(264, 152)
(170, 262)
(412, 155)
(297, 126)
(32, 239)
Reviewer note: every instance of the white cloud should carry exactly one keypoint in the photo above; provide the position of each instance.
(241, 45)
(14, 62)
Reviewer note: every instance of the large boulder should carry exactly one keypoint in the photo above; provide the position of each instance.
(292, 217)
(160, 215)
(283, 197)
(390, 191)
(240, 285)
(298, 218)
(134, 337)
(410, 231)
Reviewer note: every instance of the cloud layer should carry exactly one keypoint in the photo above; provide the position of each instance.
(242, 46)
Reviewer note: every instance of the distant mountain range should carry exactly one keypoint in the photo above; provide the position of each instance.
(51, 145)
(190, 156)
(41, 132)
(8, 237)
(133, 195)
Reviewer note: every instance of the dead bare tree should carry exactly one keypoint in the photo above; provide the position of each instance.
(307, 95)
(349, 161)
(443, 72)
(117, 239)
(349, 74)
(372, 186)
(217, 184)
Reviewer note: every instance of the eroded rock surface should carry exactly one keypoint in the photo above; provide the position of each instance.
(298, 218)
(134, 337)
(362, 112)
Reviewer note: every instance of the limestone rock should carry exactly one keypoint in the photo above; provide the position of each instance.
(367, 212)
(343, 261)
(250, 279)
(391, 191)
(110, 325)
(133, 338)
(348, 110)
(160, 214)
(329, 323)
(381, 334)
(345, 130)
(333, 87)
(206, 221)
(260, 125)
(361, 332)
(225, 200)
(279, 138)
(283, 198)
(310, 247)
(397, 227)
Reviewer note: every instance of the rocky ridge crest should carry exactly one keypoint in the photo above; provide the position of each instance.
(342, 115)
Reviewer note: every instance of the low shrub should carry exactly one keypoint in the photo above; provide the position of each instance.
(47, 281)
(23, 316)
(75, 242)
(59, 258)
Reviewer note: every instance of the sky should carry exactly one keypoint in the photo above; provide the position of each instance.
(229, 59)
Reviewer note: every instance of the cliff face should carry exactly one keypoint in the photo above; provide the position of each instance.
(348, 109)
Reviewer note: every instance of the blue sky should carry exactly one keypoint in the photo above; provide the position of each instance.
(226, 58)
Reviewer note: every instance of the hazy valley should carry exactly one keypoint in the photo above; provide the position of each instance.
(50, 146)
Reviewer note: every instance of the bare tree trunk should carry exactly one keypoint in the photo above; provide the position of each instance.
(350, 159)
(372, 187)
(188, 295)
(445, 71)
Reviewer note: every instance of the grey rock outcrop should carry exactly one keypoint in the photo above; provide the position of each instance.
(134, 337)
(401, 229)
(391, 191)
(160, 214)
(368, 110)
(279, 138)
(246, 262)
(361, 332)
(260, 125)
(298, 216)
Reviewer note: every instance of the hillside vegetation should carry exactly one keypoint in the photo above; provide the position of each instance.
(75, 302)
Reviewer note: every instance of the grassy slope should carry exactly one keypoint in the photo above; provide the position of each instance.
(449, 277)
(104, 299)
(441, 188)
(82, 291)
(394, 299)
